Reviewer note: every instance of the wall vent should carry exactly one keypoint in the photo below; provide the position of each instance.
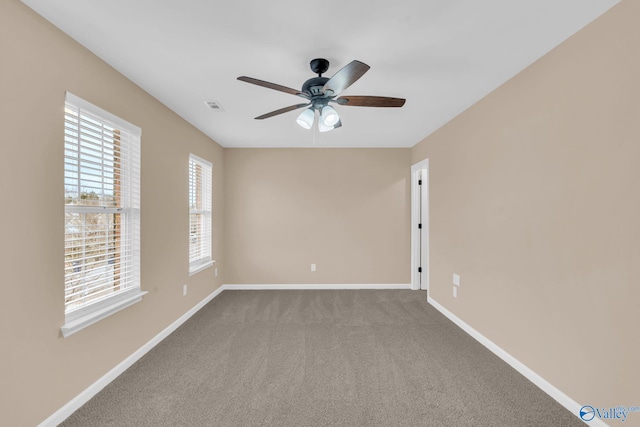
(214, 105)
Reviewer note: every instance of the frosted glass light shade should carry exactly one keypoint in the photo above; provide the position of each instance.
(329, 116)
(305, 119)
(324, 128)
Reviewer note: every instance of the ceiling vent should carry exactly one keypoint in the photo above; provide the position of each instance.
(214, 105)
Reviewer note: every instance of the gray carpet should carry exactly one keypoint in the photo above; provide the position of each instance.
(321, 358)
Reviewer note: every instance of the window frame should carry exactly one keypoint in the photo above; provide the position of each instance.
(206, 196)
(128, 177)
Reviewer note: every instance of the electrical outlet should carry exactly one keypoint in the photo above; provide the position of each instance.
(456, 279)
(313, 267)
(455, 292)
(184, 290)
(216, 271)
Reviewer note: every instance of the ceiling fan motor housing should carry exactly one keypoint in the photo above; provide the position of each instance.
(314, 86)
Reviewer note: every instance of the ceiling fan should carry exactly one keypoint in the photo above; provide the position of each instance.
(320, 91)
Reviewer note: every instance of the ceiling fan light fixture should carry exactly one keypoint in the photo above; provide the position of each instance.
(324, 128)
(329, 116)
(306, 118)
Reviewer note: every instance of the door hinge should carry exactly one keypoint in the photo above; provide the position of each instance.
(419, 182)
(420, 226)
(419, 269)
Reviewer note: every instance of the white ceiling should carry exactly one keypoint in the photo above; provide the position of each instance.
(441, 55)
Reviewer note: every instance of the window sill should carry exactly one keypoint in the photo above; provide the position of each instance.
(199, 267)
(75, 325)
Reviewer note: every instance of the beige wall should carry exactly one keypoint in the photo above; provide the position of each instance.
(346, 210)
(535, 202)
(39, 370)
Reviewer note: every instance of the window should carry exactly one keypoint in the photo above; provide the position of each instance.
(200, 177)
(102, 214)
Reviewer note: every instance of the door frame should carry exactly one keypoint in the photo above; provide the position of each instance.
(420, 170)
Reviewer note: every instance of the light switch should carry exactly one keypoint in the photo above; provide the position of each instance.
(456, 279)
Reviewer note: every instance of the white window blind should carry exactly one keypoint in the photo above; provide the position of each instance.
(200, 233)
(102, 209)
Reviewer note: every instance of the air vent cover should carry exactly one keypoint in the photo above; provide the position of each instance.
(214, 105)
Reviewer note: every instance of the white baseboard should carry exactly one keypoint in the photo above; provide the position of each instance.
(570, 404)
(74, 404)
(258, 287)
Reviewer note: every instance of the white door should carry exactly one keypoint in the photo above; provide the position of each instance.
(424, 229)
(420, 225)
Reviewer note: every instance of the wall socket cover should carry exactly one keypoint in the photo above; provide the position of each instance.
(455, 292)
(313, 267)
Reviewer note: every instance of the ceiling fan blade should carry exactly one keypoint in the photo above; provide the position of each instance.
(273, 86)
(282, 110)
(345, 77)
(370, 101)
